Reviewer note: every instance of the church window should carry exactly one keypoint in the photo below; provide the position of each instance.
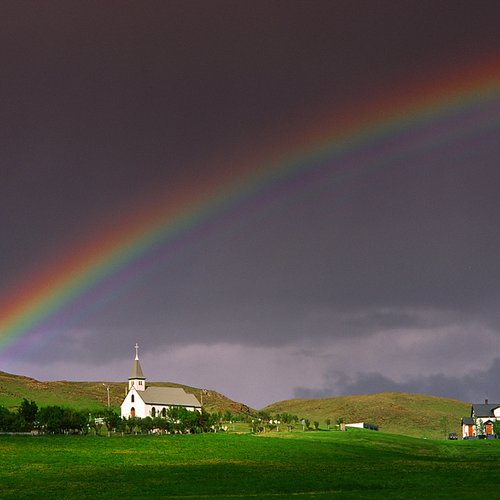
(164, 412)
(140, 382)
(132, 399)
(153, 412)
(132, 412)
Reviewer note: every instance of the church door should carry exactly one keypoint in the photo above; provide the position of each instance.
(489, 428)
(132, 412)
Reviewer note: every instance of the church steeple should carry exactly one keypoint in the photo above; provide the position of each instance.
(137, 378)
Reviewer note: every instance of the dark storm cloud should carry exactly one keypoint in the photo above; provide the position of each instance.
(351, 255)
(342, 259)
(474, 387)
(104, 103)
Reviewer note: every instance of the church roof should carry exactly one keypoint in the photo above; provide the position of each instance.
(169, 396)
(136, 370)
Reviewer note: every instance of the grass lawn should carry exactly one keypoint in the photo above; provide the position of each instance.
(349, 464)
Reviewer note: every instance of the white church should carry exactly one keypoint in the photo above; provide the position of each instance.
(142, 401)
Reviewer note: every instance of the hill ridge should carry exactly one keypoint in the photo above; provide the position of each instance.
(87, 395)
(418, 415)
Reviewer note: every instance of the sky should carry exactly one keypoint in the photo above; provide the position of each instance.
(373, 269)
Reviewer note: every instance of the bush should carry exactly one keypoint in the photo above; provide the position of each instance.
(58, 420)
(8, 420)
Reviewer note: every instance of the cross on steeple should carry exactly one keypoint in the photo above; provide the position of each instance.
(137, 378)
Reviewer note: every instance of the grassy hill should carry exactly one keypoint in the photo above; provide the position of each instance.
(395, 412)
(398, 413)
(92, 395)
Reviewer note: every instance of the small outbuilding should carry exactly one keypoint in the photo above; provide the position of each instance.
(363, 425)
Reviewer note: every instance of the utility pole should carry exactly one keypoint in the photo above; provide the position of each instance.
(107, 388)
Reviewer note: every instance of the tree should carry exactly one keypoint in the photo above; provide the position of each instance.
(264, 415)
(58, 420)
(496, 428)
(316, 425)
(111, 420)
(183, 420)
(146, 424)
(27, 412)
(328, 422)
(74, 420)
(286, 418)
(159, 424)
(480, 428)
(7, 420)
(51, 419)
(133, 424)
(340, 421)
(205, 420)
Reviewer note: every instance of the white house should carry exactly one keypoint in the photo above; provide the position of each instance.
(363, 425)
(480, 415)
(143, 401)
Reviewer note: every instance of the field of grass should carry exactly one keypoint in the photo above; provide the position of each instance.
(350, 464)
(395, 412)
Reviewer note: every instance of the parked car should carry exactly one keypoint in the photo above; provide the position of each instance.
(452, 436)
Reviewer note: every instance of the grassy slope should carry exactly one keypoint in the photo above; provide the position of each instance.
(401, 413)
(353, 464)
(91, 395)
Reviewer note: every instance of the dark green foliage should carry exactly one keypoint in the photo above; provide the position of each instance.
(8, 420)
(287, 418)
(112, 420)
(264, 415)
(145, 425)
(496, 428)
(23, 420)
(27, 414)
(59, 420)
(480, 428)
(177, 420)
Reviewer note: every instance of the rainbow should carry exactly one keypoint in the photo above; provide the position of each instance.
(58, 286)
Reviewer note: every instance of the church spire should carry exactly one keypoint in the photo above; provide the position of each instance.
(137, 378)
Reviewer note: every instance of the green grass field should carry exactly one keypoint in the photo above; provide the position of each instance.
(350, 464)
